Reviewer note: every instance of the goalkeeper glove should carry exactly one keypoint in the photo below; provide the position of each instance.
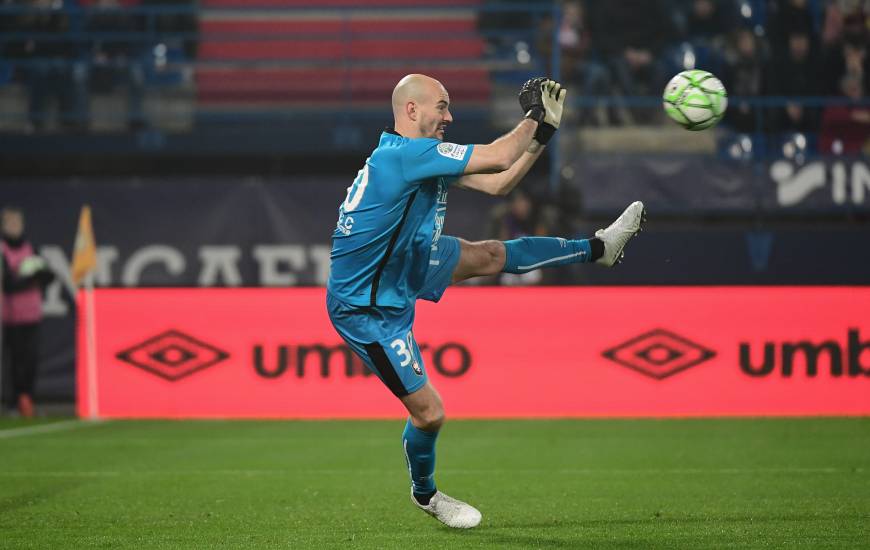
(543, 101)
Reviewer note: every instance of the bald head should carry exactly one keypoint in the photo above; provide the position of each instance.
(420, 107)
(417, 88)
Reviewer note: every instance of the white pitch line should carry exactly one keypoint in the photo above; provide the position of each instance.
(45, 428)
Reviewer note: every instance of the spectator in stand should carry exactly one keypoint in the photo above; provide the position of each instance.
(633, 35)
(846, 128)
(848, 55)
(49, 66)
(706, 24)
(709, 21)
(744, 74)
(579, 68)
(796, 75)
(24, 277)
(118, 60)
(785, 18)
(836, 12)
(572, 37)
(519, 217)
(832, 27)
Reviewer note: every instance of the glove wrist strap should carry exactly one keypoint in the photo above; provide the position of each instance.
(544, 133)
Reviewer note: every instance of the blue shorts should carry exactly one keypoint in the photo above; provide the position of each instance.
(383, 336)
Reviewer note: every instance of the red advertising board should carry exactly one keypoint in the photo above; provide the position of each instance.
(491, 352)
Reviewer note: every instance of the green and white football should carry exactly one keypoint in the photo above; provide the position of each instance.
(696, 100)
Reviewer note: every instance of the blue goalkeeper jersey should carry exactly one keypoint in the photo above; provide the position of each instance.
(391, 219)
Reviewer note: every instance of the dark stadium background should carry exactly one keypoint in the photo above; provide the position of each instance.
(218, 123)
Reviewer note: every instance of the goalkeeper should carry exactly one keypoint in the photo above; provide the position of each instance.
(388, 250)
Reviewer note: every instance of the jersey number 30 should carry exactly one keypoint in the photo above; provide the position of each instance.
(356, 191)
(354, 197)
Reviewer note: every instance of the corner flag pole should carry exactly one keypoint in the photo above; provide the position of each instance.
(84, 264)
(91, 347)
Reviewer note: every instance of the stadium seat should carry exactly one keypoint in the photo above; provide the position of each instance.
(327, 85)
(293, 57)
(332, 3)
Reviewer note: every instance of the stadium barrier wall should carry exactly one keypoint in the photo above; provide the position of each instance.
(492, 352)
(675, 184)
(181, 232)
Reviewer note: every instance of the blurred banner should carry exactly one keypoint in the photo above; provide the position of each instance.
(632, 351)
(275, 232)
(198, 231)
(184, 231)
(676, 184)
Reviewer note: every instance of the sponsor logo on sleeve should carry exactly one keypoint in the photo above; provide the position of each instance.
(452, 150)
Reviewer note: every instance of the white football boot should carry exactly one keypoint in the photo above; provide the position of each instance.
(449, 511)
(617, 234)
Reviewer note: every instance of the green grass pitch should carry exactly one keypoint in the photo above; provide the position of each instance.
(750, 483)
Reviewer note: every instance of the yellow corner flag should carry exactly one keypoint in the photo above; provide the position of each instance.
(85, 250)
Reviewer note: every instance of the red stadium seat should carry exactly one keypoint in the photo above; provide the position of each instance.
(332, 3)
(255, 56)
(329, 85)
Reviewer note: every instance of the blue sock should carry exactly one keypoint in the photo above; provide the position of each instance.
(531, 253)
(420, 454)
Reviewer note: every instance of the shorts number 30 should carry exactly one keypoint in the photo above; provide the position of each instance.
(402, 351)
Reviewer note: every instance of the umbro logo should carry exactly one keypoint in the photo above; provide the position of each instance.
(172, 355)
(659, 354)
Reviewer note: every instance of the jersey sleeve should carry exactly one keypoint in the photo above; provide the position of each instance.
(429, 158)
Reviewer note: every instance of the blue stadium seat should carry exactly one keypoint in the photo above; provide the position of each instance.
(166, 69)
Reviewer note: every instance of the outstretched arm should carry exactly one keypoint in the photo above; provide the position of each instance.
(503, 153)
(497, 168)
(502, 183)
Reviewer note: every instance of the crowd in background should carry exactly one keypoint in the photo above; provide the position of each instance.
(63, 51)
(609, 48)
(798, 49)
